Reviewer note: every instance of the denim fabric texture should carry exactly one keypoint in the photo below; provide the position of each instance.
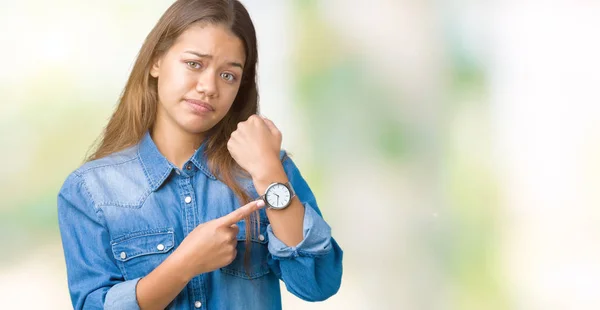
(123, 215)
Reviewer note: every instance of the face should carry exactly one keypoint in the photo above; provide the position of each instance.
(198, 78)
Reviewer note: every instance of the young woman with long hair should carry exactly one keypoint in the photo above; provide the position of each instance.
(169, 209)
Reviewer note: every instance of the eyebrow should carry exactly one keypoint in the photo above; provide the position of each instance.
(233, 63)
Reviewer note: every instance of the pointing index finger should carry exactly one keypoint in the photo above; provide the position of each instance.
(239, 214)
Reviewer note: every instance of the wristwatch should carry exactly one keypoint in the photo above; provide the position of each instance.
(278, 196)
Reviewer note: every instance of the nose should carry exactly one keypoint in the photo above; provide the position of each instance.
(207, 83)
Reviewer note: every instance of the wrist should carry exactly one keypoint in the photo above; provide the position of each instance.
(267, 168)
(267, 177)
(186, 271)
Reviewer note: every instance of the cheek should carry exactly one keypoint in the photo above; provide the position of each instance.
(174, 82)
(227, 98)
(230, 94)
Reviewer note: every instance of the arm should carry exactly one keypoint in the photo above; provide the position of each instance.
(163, 284)
(94, 279)
(209, 246)
(304, 255)
(302, 252)
(287, 223)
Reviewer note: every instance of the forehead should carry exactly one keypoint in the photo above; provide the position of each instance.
(212, 39)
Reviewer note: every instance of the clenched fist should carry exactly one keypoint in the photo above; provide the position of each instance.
(255, 145)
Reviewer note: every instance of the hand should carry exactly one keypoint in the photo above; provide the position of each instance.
(212, 245)
(255, 145)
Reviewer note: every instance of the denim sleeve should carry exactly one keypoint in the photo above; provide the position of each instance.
(94, 279)
(312, 270)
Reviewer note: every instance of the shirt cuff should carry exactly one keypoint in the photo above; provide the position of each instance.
(316, 238)
(122, 296)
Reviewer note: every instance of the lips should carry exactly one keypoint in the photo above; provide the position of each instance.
(199, 105)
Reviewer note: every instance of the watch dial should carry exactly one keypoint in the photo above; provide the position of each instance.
(278, 196)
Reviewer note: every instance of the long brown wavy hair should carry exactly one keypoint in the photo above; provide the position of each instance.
(137, 107)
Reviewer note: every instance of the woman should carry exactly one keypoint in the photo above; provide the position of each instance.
(153, 219)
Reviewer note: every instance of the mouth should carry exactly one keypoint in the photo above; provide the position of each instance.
(199, 105)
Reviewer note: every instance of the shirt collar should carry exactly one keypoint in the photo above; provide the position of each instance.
(199, 160)
(157, 168)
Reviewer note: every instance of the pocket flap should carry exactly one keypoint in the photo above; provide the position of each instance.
(143, 243)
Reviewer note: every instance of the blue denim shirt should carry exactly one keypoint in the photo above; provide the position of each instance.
(122, 215)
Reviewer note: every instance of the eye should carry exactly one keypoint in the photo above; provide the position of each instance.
(193, 64)
(228, 77)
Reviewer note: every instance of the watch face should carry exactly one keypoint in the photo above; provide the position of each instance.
(278, 196)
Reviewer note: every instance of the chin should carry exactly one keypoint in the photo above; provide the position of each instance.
(197, 128)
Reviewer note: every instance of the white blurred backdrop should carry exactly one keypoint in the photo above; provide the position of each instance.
(453, 146)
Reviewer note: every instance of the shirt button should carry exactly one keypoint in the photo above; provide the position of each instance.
(261, 237)
(188, 167)
(188, 199)
(197, 304)
(160, 247)
(123, 255)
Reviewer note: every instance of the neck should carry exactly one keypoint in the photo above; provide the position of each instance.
(174, 143)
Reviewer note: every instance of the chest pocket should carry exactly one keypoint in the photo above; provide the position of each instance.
(139, 253)
(255, 265)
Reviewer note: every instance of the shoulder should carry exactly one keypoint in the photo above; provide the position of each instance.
(115, 179)
(109, 162)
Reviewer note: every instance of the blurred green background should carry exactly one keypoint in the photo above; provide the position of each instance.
(453, 146)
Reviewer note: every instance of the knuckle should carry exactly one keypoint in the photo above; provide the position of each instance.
(226, 238)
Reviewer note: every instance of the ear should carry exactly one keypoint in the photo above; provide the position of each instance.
(155, 67)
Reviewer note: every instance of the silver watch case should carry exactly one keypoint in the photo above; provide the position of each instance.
(288, 185)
